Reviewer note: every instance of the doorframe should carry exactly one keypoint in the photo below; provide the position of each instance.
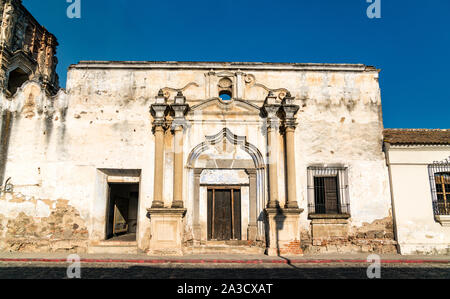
(99, 206)
(114, 181)
(225, 187)
(257, 201)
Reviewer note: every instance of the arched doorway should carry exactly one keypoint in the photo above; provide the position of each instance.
(229, 182)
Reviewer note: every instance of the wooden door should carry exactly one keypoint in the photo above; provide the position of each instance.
(224, 214)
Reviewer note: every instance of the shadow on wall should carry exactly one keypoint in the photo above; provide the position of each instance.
(5, 129)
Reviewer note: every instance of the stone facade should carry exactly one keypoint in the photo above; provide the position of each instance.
(181, 130)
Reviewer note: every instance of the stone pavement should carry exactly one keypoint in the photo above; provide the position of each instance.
(22, 265)
(23, 270)
(224, 258)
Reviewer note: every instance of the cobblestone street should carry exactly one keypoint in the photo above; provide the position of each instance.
(32, 270)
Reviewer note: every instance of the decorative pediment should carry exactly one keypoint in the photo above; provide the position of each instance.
(218, 106)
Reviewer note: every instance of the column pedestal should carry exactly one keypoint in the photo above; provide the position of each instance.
(284, 231)
(252, 232)
(166, 231)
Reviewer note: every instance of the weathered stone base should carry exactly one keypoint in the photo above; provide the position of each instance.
(63, 230)
(283, 231)
(424, 249)
(43, 245)
(333, 234)
(166, 231)
(351, 246)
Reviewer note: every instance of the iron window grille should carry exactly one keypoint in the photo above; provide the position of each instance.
(439, 173)
(328, 191)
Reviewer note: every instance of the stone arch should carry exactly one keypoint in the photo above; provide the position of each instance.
(16, 78)
(256, 179)
(226, 134)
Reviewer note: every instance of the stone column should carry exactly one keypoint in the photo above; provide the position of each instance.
(252, 230)
(284, 228)
(290, 109)
(197, 227)
(166, 225)
(239, 85)
(271, 108)
(178, 125)
(158, 111)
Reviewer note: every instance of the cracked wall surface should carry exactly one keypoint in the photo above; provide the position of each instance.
(57, 144)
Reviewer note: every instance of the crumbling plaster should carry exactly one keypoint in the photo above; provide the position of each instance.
(102, 120)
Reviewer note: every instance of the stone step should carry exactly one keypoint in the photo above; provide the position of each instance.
(113, 247)
(218, 249)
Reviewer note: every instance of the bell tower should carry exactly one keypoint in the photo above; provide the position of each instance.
(27, 50)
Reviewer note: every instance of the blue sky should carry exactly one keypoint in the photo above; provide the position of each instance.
(410, 43)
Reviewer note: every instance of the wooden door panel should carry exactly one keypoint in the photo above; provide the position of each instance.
(237, 214)
(222, 224)
(210, 213)
(224, 214)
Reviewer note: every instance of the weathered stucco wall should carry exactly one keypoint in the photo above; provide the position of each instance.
(418, 231)
(57, 145)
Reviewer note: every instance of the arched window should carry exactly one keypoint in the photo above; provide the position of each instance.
(225, 89)
(225, 95)
(16, 78)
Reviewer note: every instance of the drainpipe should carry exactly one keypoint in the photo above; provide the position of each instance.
(387, 147)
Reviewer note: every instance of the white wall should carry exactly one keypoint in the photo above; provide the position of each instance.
(103, 122)
(417, 229)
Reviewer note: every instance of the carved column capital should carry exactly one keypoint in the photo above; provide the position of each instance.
(180, 108)
(289, 109)
(290, 121)
(179, 120)
(251, 172)
(271, 109)
(198, 172)
(158, 112)
(271, 112)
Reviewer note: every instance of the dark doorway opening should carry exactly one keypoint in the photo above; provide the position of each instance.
(16, 79)
(224, 213)
(122, 211)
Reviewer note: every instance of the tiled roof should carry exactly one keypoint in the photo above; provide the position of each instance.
(417, 136)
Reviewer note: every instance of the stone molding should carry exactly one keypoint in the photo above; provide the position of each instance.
(243, 66)
(444, 220)
(328, 216)
(225, 133)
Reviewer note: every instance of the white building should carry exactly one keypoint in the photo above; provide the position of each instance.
(419, 170)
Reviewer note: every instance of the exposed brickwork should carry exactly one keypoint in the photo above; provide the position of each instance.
(62, 230)
(292, 248)
(376, 237)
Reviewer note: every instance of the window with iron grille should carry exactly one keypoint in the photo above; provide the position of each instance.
(440, 187)
(328, 190)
